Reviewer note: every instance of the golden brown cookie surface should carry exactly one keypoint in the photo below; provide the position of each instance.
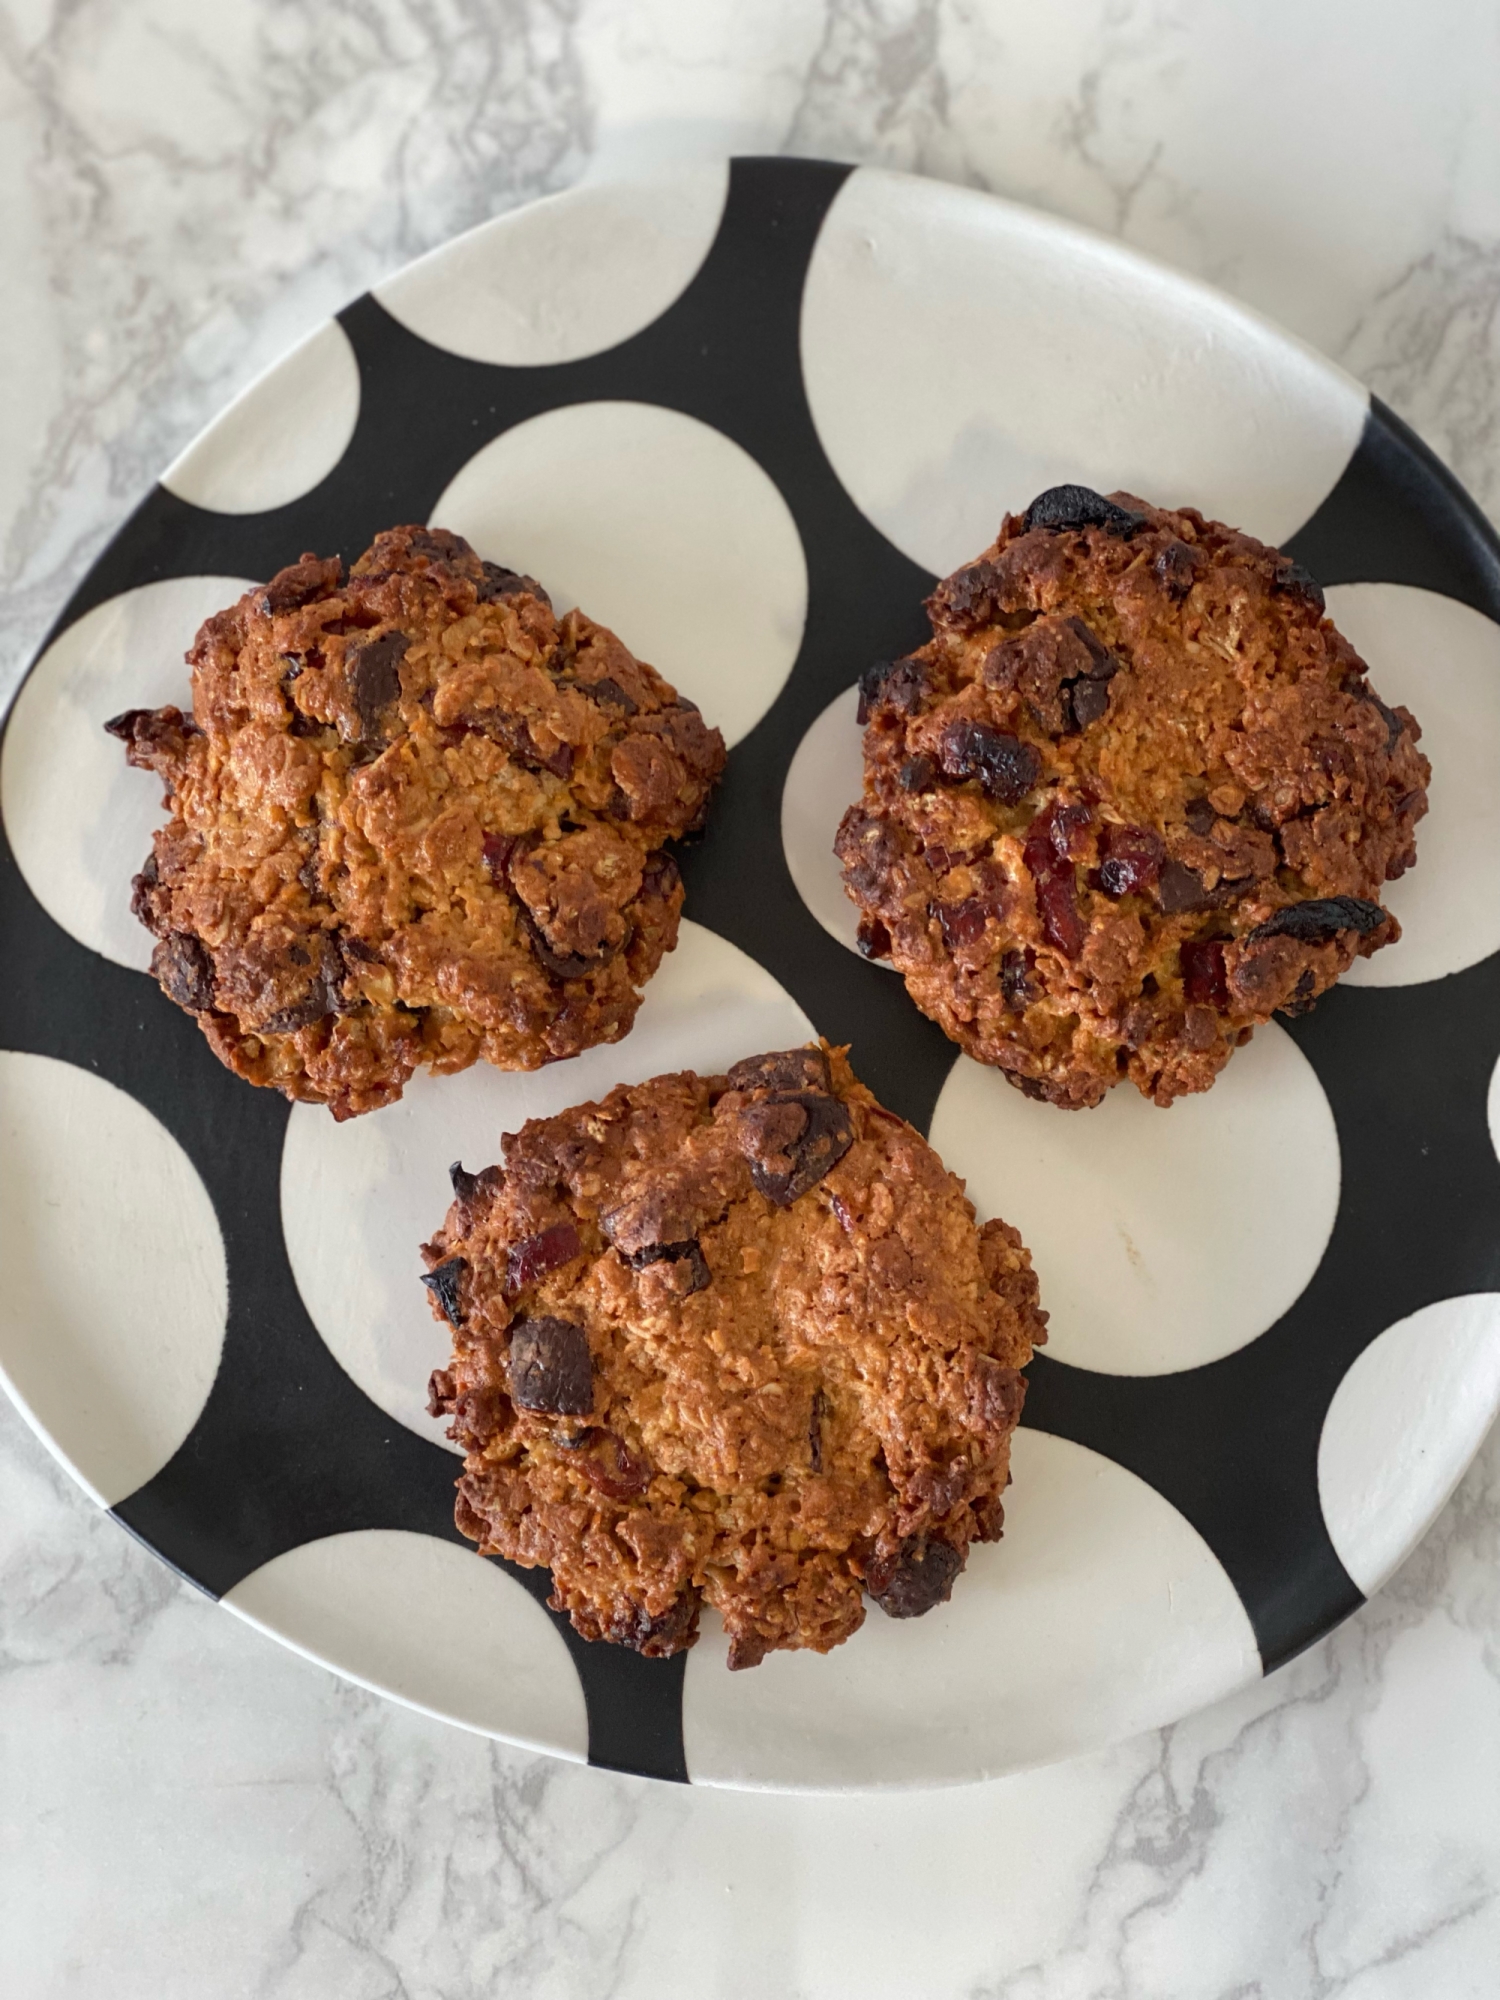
(1135, 795)
(734, 1339)
(416, 820)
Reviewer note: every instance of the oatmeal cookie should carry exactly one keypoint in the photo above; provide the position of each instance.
(735, 1339)
(416, 820)
(1135, 795)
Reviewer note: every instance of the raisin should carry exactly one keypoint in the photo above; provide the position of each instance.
(551, 1368)
(1292, 577)
(1015, 980)
(443, 1284)
(1176, 568)
(689, 1253)
(533, 1258)
(1089, 700)
(1130, 860)
(185, 971)
(921, 1576)
(1204, 983)
(792, 1142)
(872, 938)
(1321, 919)
(1179, 889)
(1007, 768)
(962, 923)
(375, 679)
(899, 684)
(916, 774)
(609, 1464)
(1080, 507)
(787, 1069)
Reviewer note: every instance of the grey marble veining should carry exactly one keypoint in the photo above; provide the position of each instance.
(188, 1811)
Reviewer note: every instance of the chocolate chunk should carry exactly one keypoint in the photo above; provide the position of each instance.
(1089, 700)
(1301, 1001)
(792, 1142)
(1007, 768)
(465, 1185)
(550, 1367)
(301, 583)
(562, 965)
(689, 1253)
(1204, 983)
(1080, 507)
(1321, 919)
(185, 971)
(1015, 980)
(1130, 859)
(548, 1250)
(1292, 577)
(788, 1069)
(1392, 721)
(899, 684)
(671, 1631)
(917, 774)
(375, 679)
(1181, 889)
(872, 938)
(815, 1429)
(922, 1576)
(497, 581)
(1200, 816)
(443, 1285)
(1176, 567)
(610, 693)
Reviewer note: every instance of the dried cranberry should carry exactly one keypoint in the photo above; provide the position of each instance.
(962, 923)
(547, 1251)
(609, 1464)
(498, 849)
(1204, 983)
(916, 774)
(1057, 904)
(898, 684)
(873, 939)
(1130, 860)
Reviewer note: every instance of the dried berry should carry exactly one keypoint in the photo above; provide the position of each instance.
(1200, 816)
(465, 1185)
(899, 684)
(562, 965)
(792, 1142)
(1204, 983)
(1047, 854)
(498, 849)
(1176, 567)
(611, 694)
(443, 1284)
(921, 1576)
(185, 971)
(873, 939)
(1062, 926)
(1015, 980)
(1080, 507)
(660, 876)
(1391, 720)
(1130, 859)
(548, 1250)
(500, 582)
(375, 679)
(1292, 577)
(671, 1631)
(609, 1464)
(550, 1367)
(1007, 768)
(1089, 699)
(962, 923)
(301, 583)
(917, 774)
(689, 1253)
(1321, 919)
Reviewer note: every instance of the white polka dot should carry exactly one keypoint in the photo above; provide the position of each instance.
(431, 1624)
(78, 819)
(961, 354)
(564, 278)
(1163, 1239)
(662, 529)
(280, 436)
(357, 1198)
(1442, 661)
(115, 1290)
(1102, 1613)
(823, 780)
(1402, 1428)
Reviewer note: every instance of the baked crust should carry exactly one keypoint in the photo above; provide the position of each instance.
(416, 820)
(730, 1339)
(1134, 796)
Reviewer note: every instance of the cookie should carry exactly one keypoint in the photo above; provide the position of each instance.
(417, 820)
(1133, 797)
(733, 1339)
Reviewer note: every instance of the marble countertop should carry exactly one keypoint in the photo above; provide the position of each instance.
(188, 1811)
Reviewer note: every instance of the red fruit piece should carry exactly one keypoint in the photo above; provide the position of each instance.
(1130, 860)
(1204, 983)
(547, 1251)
